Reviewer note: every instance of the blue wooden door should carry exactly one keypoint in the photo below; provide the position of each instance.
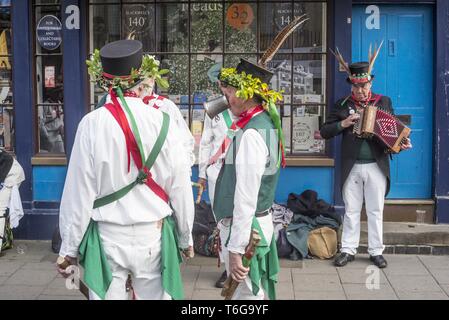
(404, 72)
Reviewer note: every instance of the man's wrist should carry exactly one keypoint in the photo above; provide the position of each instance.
(66, 261)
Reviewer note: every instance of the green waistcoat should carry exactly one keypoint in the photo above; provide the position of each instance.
(226, 181)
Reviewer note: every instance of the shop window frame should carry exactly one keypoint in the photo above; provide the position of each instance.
(293, 159)
(44, 158)
(10, 107)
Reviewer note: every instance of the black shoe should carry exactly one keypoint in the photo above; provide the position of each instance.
(379, 261)
(220, 282)
(343, 259)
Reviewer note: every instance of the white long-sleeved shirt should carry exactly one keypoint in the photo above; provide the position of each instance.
(213, 135)
(251, 158)
(168, 106)
(99, 166)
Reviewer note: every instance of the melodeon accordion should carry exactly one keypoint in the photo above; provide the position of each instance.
(387, 128)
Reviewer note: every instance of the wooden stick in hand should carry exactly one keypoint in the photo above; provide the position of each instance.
(230, 284)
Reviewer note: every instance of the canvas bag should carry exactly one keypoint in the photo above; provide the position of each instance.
(322, 243)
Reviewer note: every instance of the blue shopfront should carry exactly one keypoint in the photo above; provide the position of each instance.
(49, 91)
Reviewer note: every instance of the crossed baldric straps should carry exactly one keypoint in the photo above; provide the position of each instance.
(135, 149)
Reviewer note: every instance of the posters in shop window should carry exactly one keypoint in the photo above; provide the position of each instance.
(50, 77)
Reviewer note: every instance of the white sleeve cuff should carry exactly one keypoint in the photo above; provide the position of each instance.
(65, 251)
(185, 241)
(240, 250)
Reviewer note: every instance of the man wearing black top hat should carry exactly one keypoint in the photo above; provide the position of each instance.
(125, 182)
(365, 166)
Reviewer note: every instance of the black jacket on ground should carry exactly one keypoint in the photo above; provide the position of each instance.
(350, 144)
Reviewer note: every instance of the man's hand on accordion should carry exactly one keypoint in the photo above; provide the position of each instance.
(350, 121)
(406, 144)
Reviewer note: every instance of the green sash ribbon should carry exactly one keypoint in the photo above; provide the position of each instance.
(170, 260)
(264, 266)
(274, 115)
(97, 272)
(227, 118)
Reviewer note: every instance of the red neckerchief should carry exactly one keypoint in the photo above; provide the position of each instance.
(131, 94)
(240, 123)
(373, 99)
(131, 145)
(147, 100)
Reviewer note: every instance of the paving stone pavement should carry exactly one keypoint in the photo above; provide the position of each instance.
(27, 272)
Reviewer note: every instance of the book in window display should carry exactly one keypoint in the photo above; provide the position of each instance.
(304, 128)
(185, 113)
(49, 72)
(197, 126)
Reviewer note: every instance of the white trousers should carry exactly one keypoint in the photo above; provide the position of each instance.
(212, 173)
(244, 290)
(365, 182)
(135, 250)
(212, 176)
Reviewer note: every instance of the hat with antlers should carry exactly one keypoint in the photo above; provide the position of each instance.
(359, 72)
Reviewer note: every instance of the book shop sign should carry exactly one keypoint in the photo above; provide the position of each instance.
(49, 35)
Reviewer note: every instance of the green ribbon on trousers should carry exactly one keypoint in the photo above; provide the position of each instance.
(264, 266)
(98, 274)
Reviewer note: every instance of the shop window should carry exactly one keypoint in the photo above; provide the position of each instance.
(6, 96)
(49, 89)
(194, 39)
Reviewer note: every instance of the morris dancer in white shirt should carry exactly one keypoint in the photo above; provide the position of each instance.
(166, 105)
(213, 134)
(125, 176)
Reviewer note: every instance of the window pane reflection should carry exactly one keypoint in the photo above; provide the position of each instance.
(51, 129)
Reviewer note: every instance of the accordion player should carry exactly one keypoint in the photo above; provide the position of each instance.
(384, 126)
